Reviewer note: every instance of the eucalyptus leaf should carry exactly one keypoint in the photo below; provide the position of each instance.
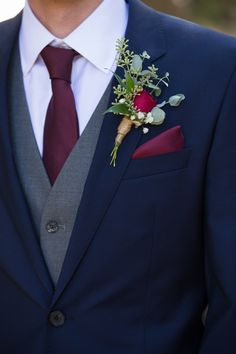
(119, 109)
(175, 100)
(137, 63)
(158, 115)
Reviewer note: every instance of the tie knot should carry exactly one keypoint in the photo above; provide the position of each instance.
(58, 62)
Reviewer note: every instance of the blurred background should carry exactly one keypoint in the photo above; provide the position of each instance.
(219, 14)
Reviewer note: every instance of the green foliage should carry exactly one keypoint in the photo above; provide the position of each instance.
(139, 78)
(134, 94)
(119, 109)
(158, 116)
(175, 100)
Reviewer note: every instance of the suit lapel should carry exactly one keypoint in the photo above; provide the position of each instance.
(27, 265)
(103, 180)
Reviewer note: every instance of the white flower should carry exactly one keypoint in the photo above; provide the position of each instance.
(145, 130)
(132, 117)
(122, 100)
(146, 55)
(149, 118)
(141, 115)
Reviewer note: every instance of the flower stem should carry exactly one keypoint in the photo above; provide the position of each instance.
(123, 129)
(114, 154)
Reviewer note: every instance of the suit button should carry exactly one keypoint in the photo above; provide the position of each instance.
(52, 227)
(56, 318)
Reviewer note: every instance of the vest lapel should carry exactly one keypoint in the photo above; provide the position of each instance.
(27, 265)
(103, 180)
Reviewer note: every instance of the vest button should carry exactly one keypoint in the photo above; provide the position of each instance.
(56, 318)
(52, 227)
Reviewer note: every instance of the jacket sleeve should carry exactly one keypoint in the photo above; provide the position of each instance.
(220, 231)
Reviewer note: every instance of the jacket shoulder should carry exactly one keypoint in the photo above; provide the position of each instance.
(195, 42)
(9, 28)
(184, 36)
(189, 31)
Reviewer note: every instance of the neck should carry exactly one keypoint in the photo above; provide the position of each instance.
(61, 17)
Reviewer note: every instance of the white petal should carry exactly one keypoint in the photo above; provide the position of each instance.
(140, 115)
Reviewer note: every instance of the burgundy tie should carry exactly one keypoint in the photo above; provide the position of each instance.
(61, 130)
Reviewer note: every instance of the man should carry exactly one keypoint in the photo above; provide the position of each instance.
(96, 259)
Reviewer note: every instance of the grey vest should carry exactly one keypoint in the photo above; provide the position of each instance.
(53, 209)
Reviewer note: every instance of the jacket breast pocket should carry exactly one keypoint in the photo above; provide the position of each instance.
(148, 166)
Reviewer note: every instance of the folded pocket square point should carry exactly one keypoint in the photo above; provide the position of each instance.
(171, 140)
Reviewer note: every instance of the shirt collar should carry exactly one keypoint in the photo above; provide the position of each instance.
(95, 39)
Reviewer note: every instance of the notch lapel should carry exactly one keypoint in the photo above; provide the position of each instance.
(20, 253)
(103, 180)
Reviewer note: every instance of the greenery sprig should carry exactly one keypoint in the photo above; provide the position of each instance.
(136, 93)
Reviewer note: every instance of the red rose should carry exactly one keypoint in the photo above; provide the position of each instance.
(144, 102)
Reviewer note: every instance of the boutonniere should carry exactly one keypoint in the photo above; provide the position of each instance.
(136, 94)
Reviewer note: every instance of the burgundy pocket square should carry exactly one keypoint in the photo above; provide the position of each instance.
(171, 140)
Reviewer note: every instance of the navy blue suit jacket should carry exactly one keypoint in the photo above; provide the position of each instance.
(155, 238)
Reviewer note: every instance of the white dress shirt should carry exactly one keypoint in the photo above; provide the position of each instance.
(95, 40)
